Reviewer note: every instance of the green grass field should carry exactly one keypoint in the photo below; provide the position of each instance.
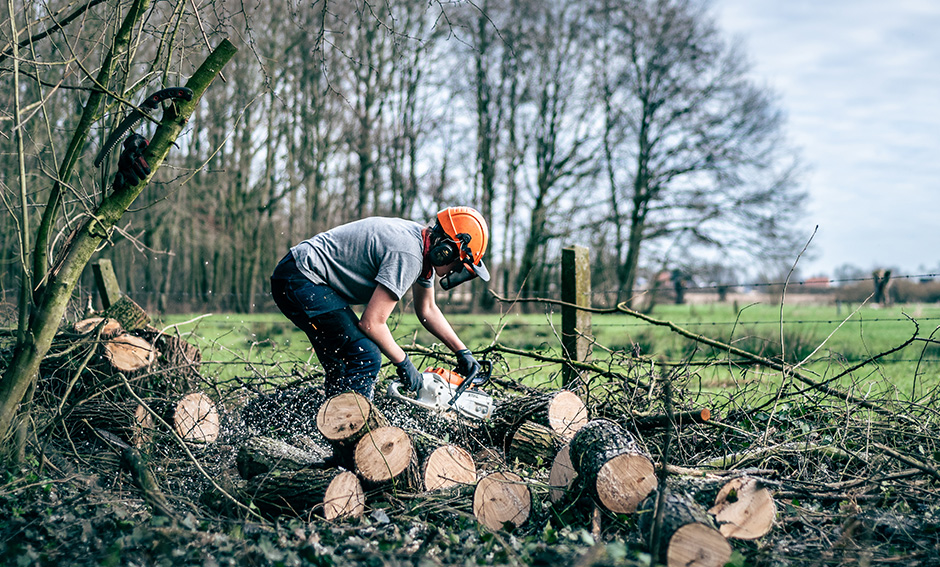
(824, 341)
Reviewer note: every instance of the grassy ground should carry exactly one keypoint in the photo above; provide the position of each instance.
(823, 340)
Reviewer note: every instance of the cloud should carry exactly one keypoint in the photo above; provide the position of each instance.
(860, 83)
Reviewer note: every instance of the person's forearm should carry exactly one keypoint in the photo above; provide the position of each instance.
(382, 336)
(438, 326)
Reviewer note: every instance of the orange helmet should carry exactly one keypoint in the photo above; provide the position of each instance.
(467, 228)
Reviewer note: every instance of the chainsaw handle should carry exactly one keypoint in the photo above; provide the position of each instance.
(486, 368)
(394, 391)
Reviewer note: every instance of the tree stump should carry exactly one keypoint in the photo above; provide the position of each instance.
(332, 493)
(386, 456)
(195, 418)
(562, 411)
(611, 466)
(259, 455)
(744, 509)
(502, 499)
(535, 444)
(562, 474)
(687, 535)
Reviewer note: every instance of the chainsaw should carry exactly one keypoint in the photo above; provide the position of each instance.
(442, 390)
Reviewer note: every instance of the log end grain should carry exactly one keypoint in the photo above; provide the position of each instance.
(109, 327)
(502, 498)
(127, 353)
(744, 510)
(447, 466)
(195, 419)
(344, 497)
(384, 454)
(343, 416)
(567, 414)
(562, 474)
(697, 545)
(624, 481)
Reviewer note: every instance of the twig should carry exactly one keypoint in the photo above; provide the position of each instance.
(189, 453)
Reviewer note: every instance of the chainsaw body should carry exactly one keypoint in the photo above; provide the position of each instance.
(440, 391)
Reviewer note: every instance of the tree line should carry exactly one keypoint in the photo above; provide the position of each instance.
(634, 127)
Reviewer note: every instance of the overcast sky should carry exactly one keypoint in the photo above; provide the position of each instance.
(860, 82)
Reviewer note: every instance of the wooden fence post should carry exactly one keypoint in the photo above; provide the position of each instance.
(575, 323)
(107, 283)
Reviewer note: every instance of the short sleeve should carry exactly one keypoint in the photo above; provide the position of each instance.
(399, 271)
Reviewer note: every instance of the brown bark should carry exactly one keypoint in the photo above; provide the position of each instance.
(259, 455)
(535, 444)
(686, 534)
(611, 466)
(562, 411)
(502, 499)
(129, 420)
(333, 493)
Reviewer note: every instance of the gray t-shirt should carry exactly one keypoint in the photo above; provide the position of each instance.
(354, 258)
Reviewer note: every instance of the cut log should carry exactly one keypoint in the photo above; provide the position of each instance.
(259, 455)
(345, 418)
(386, 456)
(129, 353)
(195, 419)
(611, 466)
(562, 474)
(129, 420)
(109, 327)
(535, 444)
(562, 411)
(687, 535)
(446, 466)
(333, 493)
(744, 509)
(501, 500)
(344, 497)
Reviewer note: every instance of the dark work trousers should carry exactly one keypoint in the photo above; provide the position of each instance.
(350, 359)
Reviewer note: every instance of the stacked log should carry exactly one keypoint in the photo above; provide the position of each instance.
(259, 455)
(441, 464)
(333, 493)
(385, 457)
(562, 475)
(563, 412)
(502, 499)
(535, 444)
(611, 466)
(344, 419)
(744, 509)
(686, 534)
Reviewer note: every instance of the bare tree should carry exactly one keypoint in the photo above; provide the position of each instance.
(693, 148)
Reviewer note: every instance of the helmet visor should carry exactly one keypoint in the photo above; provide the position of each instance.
(479, 269)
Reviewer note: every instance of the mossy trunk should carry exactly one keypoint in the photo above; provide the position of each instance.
(64, 276)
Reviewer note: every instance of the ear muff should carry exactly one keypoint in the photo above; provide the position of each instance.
(443, 253)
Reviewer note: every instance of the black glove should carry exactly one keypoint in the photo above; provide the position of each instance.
(408, 375)
(467, 366)
(132, 167)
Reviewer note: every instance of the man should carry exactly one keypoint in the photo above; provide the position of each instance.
(373, 262)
